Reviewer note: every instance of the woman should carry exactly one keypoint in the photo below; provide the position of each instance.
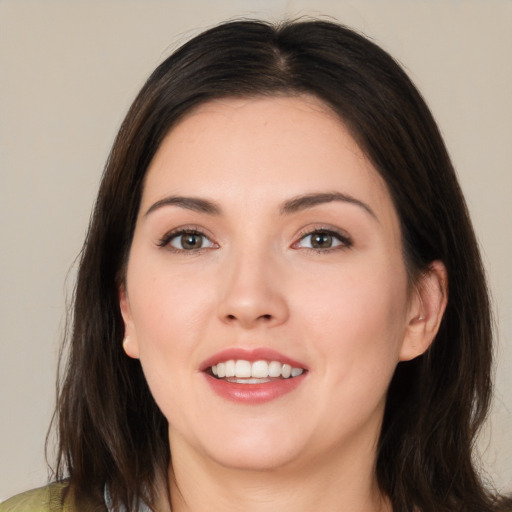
(280, 303)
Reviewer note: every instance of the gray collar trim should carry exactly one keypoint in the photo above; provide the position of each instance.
(108, 502)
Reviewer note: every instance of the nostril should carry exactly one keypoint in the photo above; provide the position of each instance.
(265, 317)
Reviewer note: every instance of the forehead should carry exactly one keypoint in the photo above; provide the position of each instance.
(262, 149)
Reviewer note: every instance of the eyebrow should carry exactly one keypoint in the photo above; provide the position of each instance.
(293, 205)
(310, 200)
(189, 203)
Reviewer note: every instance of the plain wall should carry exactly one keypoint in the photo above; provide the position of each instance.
(68, 72)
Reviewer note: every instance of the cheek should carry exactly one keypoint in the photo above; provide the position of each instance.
(357, 315)
(167, 306)
(356, 326)
(169, 314)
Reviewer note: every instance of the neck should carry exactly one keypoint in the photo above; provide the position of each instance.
(197, 484)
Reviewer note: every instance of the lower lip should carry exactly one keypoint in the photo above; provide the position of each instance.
(253, 393)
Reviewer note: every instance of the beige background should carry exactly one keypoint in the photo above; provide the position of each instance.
(68, 71)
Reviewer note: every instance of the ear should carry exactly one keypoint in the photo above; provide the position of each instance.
(426, 311)
(130, 343)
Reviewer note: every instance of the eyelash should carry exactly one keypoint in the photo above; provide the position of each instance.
(166, 240)
(345, 241)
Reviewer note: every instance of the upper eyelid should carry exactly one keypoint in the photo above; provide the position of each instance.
(169, 235)
(345, 241)
(323, 228)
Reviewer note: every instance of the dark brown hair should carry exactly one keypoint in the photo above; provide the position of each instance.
(110, 429)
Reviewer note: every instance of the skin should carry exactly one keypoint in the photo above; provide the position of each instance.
(348, 313)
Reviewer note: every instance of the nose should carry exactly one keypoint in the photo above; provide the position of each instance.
(253, 292)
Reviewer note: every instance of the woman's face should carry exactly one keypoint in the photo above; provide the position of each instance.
(267, 243)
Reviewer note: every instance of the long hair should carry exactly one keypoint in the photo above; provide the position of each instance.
(110, 429)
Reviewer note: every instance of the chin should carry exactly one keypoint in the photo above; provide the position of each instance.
(255, 459)
(250, 446)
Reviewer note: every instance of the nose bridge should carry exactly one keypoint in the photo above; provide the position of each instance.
(252, 293)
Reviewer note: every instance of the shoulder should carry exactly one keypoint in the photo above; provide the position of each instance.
(36, 500)
(56, 497)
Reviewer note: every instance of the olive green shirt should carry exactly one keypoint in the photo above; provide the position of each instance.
(51, 498)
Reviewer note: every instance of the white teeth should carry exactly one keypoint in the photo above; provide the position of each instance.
(274, 369)
(259, 369)
(242, 369)
(230, 368)
(251, 372)
(286, 371)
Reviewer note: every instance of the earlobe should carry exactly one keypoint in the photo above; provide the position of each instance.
(130, 347)
(426, 311)
(130, 344)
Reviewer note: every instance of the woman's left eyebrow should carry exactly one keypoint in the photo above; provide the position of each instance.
(310, 200)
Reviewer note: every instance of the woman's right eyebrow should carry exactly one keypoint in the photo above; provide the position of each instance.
(189, 203)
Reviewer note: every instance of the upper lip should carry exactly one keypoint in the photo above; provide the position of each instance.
(250, 354)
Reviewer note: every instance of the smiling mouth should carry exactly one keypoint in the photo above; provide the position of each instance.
(241, 371)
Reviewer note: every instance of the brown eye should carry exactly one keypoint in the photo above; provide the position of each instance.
(323, 240)
(189, 241)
